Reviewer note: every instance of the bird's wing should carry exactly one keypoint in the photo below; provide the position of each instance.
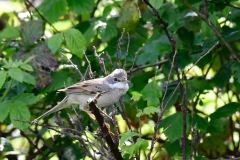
(90, 87)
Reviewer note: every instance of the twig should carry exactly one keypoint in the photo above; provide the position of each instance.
(133, 70)
(127, 50)
(119, 48)
(100, 119)
(100, 61)
(135, 57)
(75, 67)
(91, 75)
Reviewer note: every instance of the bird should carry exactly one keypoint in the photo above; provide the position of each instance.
(110, 88)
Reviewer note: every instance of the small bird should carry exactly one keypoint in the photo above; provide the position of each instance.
(110, 88)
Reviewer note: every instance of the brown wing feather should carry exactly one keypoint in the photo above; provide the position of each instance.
(91, 87)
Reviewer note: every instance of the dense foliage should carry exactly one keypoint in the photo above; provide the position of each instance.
(182, 58)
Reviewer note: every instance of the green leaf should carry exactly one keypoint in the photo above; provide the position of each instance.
(226, 110)
(28, 78)
(27, 98)
(81, 6)
(173, 126)
(31, 31)
(53, 9)
(54, 43)
(136, 96)
(16, 74)
(4, 110)
(141, 144)
(108, 32)
(148, 111)
(126, 136)
(155, 47)
(156, 3)
(151, 93)
(75, 41)
(235, 68)
(3, 77)
(19, 115)
(26, 67)
(10, 33)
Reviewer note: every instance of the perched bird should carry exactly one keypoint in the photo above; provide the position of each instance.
(110, 88)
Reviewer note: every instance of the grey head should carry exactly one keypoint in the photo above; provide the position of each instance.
(118, 79)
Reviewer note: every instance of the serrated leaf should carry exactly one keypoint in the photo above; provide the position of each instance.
(19, 115)
(16, 74)
(4, 110)
(226, 110)
(3, 76)
(136, 96)
(10, 33)
(54, 43)
(141, 144)
(31, 31)
(126, 136)
(53, 9)
(26, 67)
(151, 93)
(81, 6)
(75, 41)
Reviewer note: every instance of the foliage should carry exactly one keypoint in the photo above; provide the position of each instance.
(182, 58)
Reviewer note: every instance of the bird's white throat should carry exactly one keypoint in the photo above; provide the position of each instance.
(119, 85)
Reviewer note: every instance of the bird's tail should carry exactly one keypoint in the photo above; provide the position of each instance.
(56, 108)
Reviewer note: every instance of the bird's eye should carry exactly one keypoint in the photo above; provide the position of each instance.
(116, 79)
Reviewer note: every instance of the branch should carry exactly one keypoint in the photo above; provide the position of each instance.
(100, 119)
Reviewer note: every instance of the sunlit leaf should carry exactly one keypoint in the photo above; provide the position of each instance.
(134, 148)
(75, 41)
(10, 33)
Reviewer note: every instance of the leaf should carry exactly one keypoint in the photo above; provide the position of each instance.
(156, 3)
(10, 33)
(81, 6)
(53, 9)
(136, 96)
(151, 93)
(148, 111)
(141, 144)
(126, 136)
(28, 78)
(235, 68)
(3, 77)
(16, 74)
(173, 126)
(4, 110)
(108, 32)
(27, 98)
(75, 41)
(226, 110)
(54, 43)
(156, 46)
(26, 67)
(31, 31)
(130, 15)
(19, 115)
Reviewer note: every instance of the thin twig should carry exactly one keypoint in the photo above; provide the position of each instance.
(91, 75)
(127, 50)
(119, 48)
(100, 61)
